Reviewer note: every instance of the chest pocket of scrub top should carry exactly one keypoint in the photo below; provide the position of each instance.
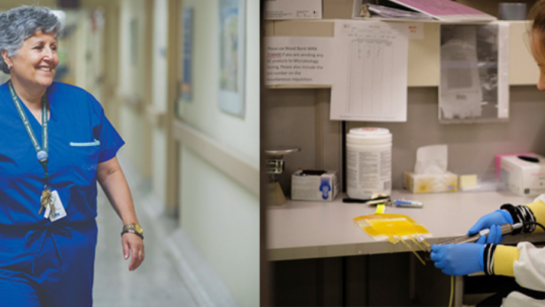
(85, 158)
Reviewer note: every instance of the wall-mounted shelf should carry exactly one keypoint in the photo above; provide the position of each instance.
(423, 53)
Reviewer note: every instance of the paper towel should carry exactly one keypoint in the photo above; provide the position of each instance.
(431, 159)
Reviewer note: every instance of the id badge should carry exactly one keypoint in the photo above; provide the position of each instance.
(59, 208)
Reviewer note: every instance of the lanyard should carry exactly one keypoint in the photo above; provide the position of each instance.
(41, 154)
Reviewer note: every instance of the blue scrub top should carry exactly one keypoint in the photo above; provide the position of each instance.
(80, 137)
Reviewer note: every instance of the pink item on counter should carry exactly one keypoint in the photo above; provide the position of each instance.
(498, 160)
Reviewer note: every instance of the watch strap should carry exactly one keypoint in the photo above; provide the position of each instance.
(126, 230)
(130, 226)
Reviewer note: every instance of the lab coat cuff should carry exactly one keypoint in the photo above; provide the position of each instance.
(504, 260)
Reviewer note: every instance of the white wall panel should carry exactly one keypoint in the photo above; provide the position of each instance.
(222, 219)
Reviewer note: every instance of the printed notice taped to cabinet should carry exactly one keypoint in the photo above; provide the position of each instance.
(298, 61)
(293, 9)
(370, 77)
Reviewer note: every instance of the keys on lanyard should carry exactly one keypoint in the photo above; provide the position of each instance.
(46, 200)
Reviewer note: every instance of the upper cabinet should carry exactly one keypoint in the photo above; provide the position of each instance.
(423, 67)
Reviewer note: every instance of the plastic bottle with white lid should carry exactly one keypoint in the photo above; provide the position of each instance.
(368, 162)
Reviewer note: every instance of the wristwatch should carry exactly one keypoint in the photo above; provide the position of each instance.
(133, 228)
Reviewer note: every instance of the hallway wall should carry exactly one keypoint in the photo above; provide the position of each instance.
(239, 135)
(159, 96)
(220, 215)
(131, 86)
(222, 220)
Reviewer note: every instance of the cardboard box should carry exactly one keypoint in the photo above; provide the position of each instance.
(430, 183)
(497, 160)
(524, 175)
(314, 185)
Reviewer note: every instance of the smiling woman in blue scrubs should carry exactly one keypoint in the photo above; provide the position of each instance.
(55, 143)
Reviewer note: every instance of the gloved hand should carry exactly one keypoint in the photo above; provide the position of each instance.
(498, 217)
(458, 259)
(494, 236)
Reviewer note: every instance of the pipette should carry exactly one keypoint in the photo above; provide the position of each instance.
(505, 230)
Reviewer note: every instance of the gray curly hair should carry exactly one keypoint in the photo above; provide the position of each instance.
(21, 23)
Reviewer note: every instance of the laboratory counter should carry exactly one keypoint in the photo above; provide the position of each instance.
(321, 257)
(311, 229)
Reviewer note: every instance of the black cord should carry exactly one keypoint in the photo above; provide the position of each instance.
(534, 223)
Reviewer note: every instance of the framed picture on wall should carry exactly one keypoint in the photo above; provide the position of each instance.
(232, 42)
(187, 57)
(133, 36)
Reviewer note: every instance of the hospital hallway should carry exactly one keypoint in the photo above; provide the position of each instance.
(182, 91)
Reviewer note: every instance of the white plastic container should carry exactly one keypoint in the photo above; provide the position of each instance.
(368, 162)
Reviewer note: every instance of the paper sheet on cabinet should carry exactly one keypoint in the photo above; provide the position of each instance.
(298, 60)
(370, 79)
(474, 79)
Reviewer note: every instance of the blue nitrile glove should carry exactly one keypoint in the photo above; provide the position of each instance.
(458, 259)
(494, 236)
(498, 217)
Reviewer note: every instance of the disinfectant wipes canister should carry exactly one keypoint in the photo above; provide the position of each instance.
(368, 162)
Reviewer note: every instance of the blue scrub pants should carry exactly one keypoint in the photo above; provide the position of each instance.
(47, 266)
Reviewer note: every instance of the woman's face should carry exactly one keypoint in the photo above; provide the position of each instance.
(36, 61)
(538, 51)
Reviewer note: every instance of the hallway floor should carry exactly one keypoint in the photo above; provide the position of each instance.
(155, 283)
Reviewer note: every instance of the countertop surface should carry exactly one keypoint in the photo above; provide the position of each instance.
(308, 229)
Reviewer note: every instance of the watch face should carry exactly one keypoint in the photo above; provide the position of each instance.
(138, 228)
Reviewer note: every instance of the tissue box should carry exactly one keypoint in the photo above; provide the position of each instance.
(430, 183)
(524, 177)
(314, 185)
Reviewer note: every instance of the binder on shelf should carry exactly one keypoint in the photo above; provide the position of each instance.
(439, 10)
